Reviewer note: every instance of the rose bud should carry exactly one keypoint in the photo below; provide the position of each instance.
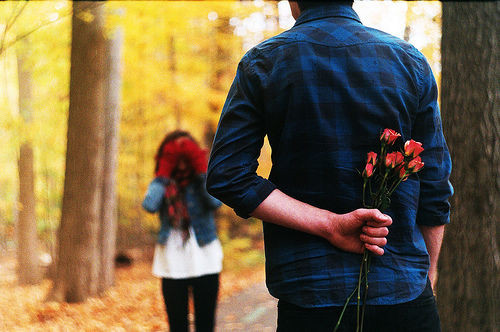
(402, 173)
(412, 148)
(389, 136)
(415, 165)
(390, 160)
(385, 136)
(393, 135)
(399, 158)
(368, 172)
(393, 159)
(372, 158)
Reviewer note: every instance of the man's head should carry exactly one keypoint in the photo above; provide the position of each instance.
(298, 6)
(303, 5)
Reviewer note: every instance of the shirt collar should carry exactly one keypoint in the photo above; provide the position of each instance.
(330, 10)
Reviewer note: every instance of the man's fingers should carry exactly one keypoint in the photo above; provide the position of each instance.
(375, 231)
(378, 241)
(379, 224)
(374, 249)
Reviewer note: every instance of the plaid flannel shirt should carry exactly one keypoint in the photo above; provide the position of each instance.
(322, 92)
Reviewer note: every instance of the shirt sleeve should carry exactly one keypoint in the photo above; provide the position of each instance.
(154, 196)
(435, 187)
(232, 167)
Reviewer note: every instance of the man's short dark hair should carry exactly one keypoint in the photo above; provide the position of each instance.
(304, 4)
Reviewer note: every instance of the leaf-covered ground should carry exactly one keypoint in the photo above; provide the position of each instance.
(133, 304)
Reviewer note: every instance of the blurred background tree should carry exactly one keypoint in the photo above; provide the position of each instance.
(27, 238)
(469, 283)
(37, 129)
(78, 256)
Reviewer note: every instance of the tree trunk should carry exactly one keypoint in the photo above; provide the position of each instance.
(407, 31)
(173, 73)
(109, 199)
(28, 269)
(219, 55)
(78, 254)
(469, 283)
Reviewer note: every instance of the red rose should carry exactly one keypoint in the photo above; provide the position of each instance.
(399, 158)
(390, 160)
(413, 149)
(415, 165)
(372, 158)
(194, 154)
(393, 159)
(368, 172)
(389, 136)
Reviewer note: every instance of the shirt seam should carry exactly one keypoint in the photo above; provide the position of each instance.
(322, 17)
(410, 53)
(337, 46)
(420, 83)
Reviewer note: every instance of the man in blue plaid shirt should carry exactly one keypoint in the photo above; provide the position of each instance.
(322, 92)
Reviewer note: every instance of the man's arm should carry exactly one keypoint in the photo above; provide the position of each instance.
(232, 177)
(435, 189)
(433, 237)
(353, 232)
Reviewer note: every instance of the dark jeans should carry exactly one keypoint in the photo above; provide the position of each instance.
(204, 290)
(419, 315)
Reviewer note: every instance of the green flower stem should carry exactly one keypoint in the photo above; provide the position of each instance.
(382, 151)
(394, 186)
(361, 269)
(370, 187)
(381, 157)
(378, 200)
(367, 269)
(344, 308)
(364, 187)
(381, 190)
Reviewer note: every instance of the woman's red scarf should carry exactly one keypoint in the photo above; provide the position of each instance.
(187, 150)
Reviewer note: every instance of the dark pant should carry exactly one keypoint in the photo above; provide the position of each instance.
(204, 290)
(419, 315)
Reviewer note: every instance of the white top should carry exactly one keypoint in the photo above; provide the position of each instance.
(178, 260)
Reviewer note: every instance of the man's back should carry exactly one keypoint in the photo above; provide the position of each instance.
(329, 86)
(322, 92)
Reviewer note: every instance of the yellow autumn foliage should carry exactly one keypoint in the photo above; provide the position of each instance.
(178, 62)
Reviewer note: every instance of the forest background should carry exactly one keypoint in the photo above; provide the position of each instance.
(175, 62)
(178, 61)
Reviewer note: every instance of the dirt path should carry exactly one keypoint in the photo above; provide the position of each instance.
(252, 309)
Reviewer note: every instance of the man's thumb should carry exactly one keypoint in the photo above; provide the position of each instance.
(380, 217)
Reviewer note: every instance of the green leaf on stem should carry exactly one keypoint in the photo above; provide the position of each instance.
(385, 203)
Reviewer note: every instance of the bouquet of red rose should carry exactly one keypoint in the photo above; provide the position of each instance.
(382, 174)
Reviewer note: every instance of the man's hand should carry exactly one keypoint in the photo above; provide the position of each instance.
(359, 230)
(354, 232)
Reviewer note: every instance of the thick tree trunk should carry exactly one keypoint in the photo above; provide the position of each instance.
(78, 255)
(109, 199)
(469, 283)
(28, 268)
